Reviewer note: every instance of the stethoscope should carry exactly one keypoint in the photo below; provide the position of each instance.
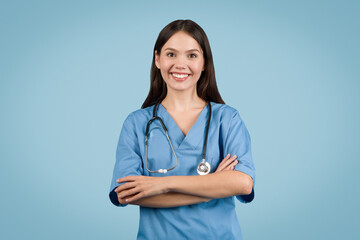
(203, 167)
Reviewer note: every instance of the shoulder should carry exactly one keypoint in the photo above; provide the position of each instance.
(224, 112)
(142, 112)
(229, 121)
(139, 116)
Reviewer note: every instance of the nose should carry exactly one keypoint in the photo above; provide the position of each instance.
(180, 62)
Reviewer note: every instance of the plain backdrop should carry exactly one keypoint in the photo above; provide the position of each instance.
(71, 71)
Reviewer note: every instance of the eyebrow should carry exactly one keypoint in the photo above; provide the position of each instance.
(190, 50)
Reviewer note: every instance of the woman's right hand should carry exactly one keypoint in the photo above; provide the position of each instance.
(228, 163)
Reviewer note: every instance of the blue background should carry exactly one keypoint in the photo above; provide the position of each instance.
(71, 71)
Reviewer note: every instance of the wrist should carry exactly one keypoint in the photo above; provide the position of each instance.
(170, 184)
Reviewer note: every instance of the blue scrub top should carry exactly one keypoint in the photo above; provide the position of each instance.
(215, 219)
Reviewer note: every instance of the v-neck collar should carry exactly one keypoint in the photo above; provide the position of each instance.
(194, 135)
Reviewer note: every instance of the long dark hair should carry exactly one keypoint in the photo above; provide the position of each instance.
(206, 85)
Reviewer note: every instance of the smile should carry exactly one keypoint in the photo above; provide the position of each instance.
(180, 76)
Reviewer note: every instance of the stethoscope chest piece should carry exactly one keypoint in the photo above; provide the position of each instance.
(203, 168)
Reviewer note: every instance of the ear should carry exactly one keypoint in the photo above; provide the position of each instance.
(157, 60)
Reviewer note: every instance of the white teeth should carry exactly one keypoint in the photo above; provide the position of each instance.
(180, 75)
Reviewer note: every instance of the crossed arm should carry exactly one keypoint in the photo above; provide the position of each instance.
(172, 191)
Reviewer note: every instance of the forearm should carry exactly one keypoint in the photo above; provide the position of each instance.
(215, 185)
(170, 199)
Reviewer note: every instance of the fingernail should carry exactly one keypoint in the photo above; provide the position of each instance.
(126, 200)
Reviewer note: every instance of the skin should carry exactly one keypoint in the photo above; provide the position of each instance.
(156, 193)
(182, 54)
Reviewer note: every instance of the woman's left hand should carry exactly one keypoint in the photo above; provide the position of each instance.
(137, 187)
(228, 163)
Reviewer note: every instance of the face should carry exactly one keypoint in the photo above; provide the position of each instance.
(181, 62)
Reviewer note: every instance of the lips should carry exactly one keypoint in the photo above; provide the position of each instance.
(180, 76)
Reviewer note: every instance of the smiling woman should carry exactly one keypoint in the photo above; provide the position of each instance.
(182, 59)
(184, 129)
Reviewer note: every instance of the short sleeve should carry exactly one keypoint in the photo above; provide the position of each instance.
(128, 158)
(238, 142)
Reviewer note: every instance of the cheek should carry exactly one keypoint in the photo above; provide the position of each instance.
(197, 68)
(165, 66)
(165, 73)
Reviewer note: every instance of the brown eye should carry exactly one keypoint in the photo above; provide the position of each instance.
(170, 54)
(192, 55)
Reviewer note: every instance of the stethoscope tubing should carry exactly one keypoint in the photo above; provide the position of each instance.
(203, 162)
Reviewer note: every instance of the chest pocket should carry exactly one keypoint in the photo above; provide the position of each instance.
(160, 154)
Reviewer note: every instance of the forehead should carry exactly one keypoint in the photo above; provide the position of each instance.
(182, 41)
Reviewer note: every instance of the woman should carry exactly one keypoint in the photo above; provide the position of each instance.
(161, 175)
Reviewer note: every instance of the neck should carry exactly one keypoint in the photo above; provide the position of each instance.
(182, 101)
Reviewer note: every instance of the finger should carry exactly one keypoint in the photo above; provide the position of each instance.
(228, 162)
(126, 179)
(221, 165)
(125, 186)
(232, 165)
(233, 158)
(127, 193)
(122, 200)
(225, 158)
(134, 198)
